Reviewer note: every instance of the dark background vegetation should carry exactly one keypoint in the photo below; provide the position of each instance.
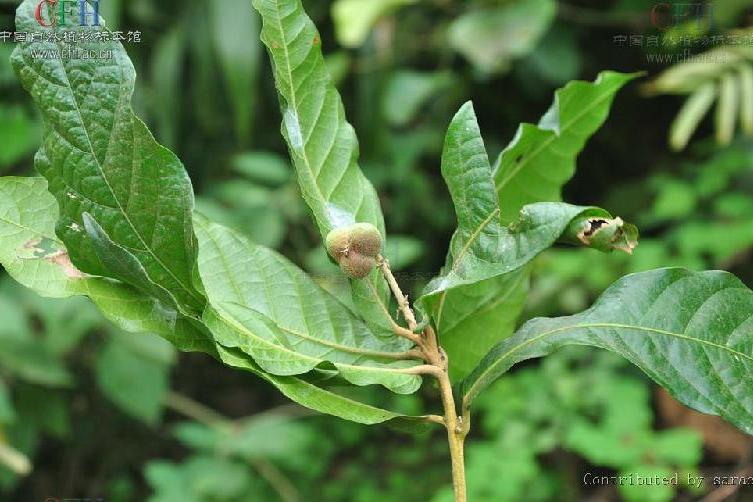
(128, 419)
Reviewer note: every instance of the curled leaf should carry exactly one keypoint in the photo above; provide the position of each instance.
(605, 234)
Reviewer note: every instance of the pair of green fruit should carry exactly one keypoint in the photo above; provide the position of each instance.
(355, 248)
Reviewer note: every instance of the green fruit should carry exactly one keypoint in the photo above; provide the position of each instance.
(338, 242)
(366, 239)
(356, 265)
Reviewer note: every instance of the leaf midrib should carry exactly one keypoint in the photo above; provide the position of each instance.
(243, 329)
(478, 382)
(326, 343)
(456, 261)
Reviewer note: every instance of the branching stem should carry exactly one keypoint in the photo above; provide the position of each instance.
(437, 366)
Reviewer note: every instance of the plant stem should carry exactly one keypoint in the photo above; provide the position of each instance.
(402, 300)
(457, 426)
(437, 366)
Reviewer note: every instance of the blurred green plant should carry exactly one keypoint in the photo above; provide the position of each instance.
(41, 342)
(723, 75)
(577, 402)
(696, 214)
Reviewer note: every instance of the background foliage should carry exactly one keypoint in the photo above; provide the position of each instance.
(88, 411)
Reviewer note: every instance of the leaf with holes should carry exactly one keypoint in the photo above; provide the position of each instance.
(32, 255)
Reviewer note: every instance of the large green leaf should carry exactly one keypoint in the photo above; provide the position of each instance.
(270, 309)
(32, 255)
(316, 398)
(690, 332)
(322, 144)
(541, 158)
(99, 158)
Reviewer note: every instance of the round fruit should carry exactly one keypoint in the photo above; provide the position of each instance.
(356, 265)
(338, 242)
(366, 239)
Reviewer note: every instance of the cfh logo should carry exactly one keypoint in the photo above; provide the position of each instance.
(60, 12)
(665, 16)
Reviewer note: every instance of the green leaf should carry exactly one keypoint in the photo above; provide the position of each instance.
(538, 228)
(132, 371)
(354, 19)
(316, 398)
(235, 32)
(32, 255)
(541, 158)
(271, 310)
(688, 331)
(458, 317)
(476, 34)
(32, 362)
(475, 317)
(7, 411)
(746, 98)
(99, 158)
(265, 168)
(408, 91)
(322, 144)
(476, 301)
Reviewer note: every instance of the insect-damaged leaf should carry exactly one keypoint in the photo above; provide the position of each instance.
(99, 158)
(690, 332)
(482, 289)
(32, 255)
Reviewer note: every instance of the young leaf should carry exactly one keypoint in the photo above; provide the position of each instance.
(466, 169)
(462, 315)
(32, 255)
(271, 310)
(99, 158)
(541, 158)
(322, 144)
(316, 398)
(688, 331)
